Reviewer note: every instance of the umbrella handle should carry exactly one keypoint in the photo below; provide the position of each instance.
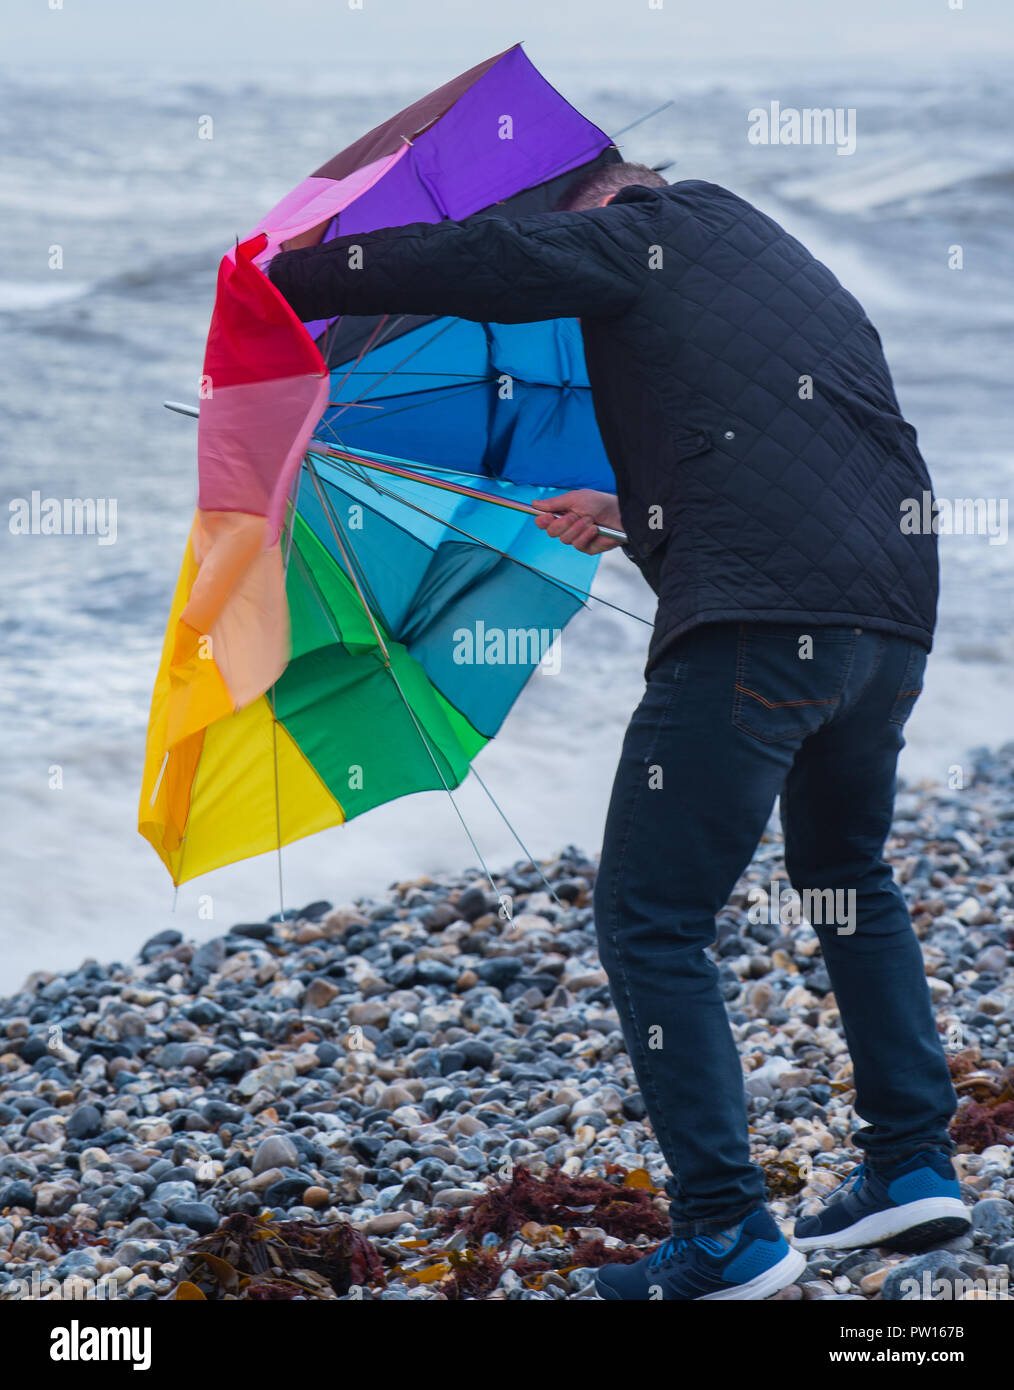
(608, 533)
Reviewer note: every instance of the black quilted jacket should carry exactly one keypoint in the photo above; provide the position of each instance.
(742, 395)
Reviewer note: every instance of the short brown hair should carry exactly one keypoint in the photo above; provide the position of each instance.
(604, 181)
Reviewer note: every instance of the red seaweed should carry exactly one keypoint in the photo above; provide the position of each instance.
(979, 1126)
(474, 1274)
(558, 1200)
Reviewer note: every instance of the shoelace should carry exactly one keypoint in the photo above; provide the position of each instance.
(672, 1246)
(854, 1179)
(666, 1250)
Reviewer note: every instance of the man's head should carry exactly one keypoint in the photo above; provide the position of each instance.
(602, 184)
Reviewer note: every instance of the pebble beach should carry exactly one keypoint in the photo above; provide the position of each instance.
(416, 1097)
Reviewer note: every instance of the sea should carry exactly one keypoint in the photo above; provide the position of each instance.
(114, 215)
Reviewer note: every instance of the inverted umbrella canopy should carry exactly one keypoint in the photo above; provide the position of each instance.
(360, 601)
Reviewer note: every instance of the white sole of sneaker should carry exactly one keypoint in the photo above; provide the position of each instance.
(883, 1225)
(779, 1276)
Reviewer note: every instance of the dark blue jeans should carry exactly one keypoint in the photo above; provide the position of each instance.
(733, 716)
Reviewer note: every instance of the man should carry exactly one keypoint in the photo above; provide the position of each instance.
(761, 463)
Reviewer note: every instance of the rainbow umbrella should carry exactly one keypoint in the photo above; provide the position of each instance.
(363, 594)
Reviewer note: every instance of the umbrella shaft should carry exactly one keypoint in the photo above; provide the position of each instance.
(607, 531)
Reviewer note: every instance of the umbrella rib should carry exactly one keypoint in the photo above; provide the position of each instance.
(501, 897)
(462, 376)
(363, 351)
(292, 510)
(328, 342)
(443, 392)
(440, 468)
(503, 816)
(568, 164)
(278, 806)
(335, 525)
(641, 119)
(398, 365)
(550, 579)
(347, 553)
(398, 470)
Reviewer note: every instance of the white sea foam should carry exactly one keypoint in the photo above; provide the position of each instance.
(16, 295)
(892, 179)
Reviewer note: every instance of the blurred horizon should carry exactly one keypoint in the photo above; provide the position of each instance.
(463, 32)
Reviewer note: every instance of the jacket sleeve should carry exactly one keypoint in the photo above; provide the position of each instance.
(551, 265)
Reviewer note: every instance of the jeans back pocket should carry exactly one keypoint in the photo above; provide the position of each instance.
(911, 684)
(789, 680)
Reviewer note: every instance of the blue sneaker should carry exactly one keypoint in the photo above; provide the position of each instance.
(909, 1206)
(749, 1261)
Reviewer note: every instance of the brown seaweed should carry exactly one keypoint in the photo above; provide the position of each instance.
(253, 1258)
(784, 1178)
